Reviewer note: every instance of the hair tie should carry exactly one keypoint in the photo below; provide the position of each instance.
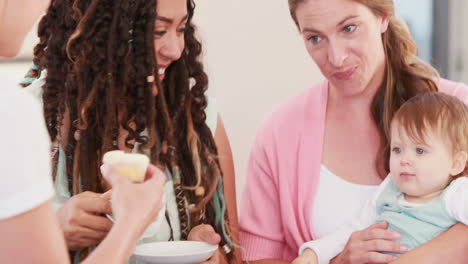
(33, 74)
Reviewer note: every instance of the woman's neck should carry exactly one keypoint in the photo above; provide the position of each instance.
(344, 107)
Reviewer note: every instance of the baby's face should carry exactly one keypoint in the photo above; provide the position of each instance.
(420, 170)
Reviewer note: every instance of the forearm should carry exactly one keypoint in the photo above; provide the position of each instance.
(450, 247)
(267, 261)
(337, 260)
(117, 247)
(35, 233)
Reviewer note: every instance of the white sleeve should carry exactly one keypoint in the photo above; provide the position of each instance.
(332, 244)
(24, 154)
(35, 89)
(456, 200)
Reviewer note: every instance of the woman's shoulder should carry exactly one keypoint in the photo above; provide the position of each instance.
(16, 100)
(295, 111)
(457, 89)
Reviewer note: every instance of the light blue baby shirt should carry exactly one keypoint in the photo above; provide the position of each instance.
(417, 224)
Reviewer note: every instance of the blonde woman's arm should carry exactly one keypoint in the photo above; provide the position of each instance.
(450, 247)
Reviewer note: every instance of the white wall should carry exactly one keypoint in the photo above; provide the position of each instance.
(11, 73)
(255, 59)
(464, 41)
(458, 34)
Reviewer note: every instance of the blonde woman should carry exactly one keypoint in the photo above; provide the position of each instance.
(320, 156)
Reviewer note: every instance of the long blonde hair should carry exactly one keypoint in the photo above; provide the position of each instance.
(405, 74)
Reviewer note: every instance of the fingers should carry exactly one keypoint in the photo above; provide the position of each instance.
(375, 257)
(107, 195)
(88, 233)
(111, 177)
(206, 233)
(213, 260)
(208, 262)
(80, 243)
(308, 256)
(95, 204)
(375, 233)
(373, 245)
(380, 225)
(380, 245)
(154, 173)
(379, 231)
(79, 237)
(299, 260)
(97, 223)
(88, 202)
(151, 171)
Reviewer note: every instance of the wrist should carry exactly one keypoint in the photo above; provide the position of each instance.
(117, 247)
(310, 255)
(336, 260)
(124, 237)
(128, 227)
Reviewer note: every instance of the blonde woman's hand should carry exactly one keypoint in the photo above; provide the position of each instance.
(207, 234)
(136, 205)
(81, 225)
(367, 245)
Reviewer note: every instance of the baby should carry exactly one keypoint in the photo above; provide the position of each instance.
(426, 191)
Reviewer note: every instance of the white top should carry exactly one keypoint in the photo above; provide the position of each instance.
(326, 248)
(25, 154)
(332, 209)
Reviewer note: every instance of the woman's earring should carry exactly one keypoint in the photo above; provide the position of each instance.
(154, 88)
(150, 78)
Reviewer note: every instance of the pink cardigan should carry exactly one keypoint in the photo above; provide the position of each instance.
(283, 173)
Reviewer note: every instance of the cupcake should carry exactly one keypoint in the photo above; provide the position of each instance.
(130, 165)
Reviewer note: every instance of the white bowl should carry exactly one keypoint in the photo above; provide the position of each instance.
(174, 252)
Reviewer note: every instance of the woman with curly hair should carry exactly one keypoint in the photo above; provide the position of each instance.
(125, 74)
(27, 220)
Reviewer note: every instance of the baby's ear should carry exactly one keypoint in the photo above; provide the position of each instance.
(459, 163)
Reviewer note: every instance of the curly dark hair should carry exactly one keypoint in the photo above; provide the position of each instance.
(98, 54)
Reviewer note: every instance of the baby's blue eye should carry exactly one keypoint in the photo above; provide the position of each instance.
(396, 150)
(420, 151)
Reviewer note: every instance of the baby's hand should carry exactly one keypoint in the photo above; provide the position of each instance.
(307, 257)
